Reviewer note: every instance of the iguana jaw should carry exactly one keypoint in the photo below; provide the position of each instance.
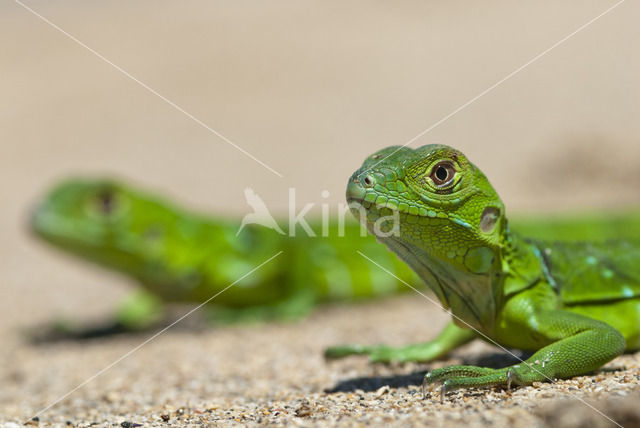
(62, 231)
(472, 298)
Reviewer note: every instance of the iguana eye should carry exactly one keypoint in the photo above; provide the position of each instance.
(106, 201)
(443, 173)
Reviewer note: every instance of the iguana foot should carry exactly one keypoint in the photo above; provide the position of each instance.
(456, 377)
(140, 310)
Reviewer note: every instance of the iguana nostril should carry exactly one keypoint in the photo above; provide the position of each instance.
(368, 181)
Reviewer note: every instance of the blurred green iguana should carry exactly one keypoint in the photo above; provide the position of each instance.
(180, 256)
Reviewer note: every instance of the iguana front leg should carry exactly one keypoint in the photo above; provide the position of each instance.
(140, 310)
(579, 345)
(450, 337)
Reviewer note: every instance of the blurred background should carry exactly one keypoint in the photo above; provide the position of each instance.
(310, 88)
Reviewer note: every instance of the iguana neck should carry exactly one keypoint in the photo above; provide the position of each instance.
(473, 298)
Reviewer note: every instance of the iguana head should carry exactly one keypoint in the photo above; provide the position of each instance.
(93, 219)
(440, 214)
(177, 255)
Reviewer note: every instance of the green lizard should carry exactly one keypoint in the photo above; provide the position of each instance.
(179, 256)
(575, 305)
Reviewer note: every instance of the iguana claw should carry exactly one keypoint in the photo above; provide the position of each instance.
(426, 380)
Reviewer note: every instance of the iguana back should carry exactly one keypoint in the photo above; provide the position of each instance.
(592, 272)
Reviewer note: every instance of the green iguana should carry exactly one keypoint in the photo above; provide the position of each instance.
(179, 256)
(575, 305)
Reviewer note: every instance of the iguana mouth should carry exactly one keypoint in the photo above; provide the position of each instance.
(355, 192)
(369, 195)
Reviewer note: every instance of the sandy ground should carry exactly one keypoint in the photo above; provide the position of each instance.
(274, 374)
(309, 89)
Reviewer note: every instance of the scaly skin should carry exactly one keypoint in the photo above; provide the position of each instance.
(576, 306)
(178, 256)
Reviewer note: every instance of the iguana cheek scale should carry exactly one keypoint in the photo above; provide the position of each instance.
(575, 305)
